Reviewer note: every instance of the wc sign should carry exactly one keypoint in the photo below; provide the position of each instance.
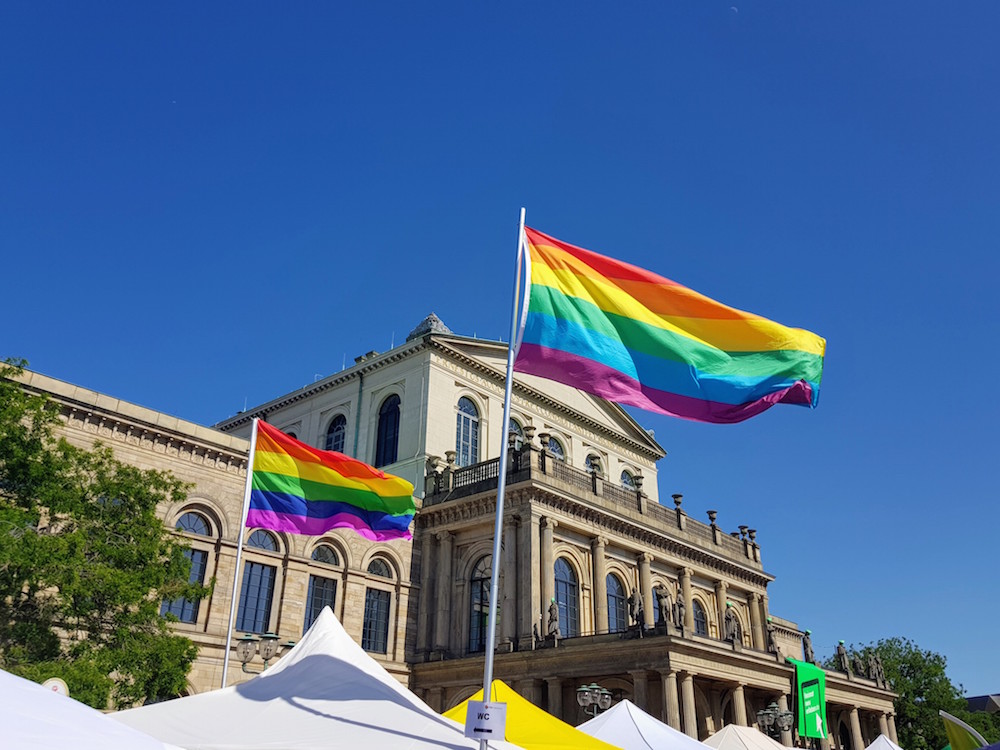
(485, 721)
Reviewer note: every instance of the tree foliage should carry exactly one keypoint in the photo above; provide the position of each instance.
(85, 562)
(920, 680)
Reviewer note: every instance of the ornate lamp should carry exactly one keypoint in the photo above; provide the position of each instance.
(773, 720)
(247, 646)
(593, 696)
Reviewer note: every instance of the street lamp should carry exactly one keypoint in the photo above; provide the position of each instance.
(774, 721)
(593, 696)
(246, 647)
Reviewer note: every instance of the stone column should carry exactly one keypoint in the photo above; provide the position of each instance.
(756, 624)
(597, 547)
(739, 707)
(671, 704)
(528, 595)
(685, 578)
(721, 596)
(547, 570)
(786, 734)
(443, 619)
(892, 728)
(426, 594)
(856, 739)
(646, 588)
(555, 696)
(640, 689)
(508, 596)
(883, 724)
(532, 690)
(687, 701)
(435, 699)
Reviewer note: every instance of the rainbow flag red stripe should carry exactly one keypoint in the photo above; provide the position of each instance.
(633, 337)
(304, 490)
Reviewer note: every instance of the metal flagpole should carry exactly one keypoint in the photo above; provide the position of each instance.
(502, 478)
(239, 550)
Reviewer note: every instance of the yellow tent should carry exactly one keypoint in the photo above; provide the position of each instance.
(531, 727)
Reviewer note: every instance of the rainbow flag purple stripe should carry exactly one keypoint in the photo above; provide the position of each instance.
(303, 490)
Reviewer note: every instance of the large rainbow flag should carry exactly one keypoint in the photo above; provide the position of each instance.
(631, 336)
(304, 490)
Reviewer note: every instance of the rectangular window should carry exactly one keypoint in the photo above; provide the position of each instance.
(322, 593)
(375, 634)
(254, 614)
(185, 609)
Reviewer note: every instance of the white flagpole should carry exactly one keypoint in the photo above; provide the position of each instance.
(239, 550)
(502, 478)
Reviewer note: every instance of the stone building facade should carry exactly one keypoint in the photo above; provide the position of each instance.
(584, 529)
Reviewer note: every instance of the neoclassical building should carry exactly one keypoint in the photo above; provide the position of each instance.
(650, 603)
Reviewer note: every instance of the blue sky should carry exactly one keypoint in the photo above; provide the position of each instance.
(207, 205)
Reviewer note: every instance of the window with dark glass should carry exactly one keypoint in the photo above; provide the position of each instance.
(479, 608)
(184, 609)
(322, 593)
(261, 539)
(379, 567)
(254, 613)
(375, 632)
(568, 598)
(387, 439)
(194, 523)
(467, 433)
(326, 554)
(513, 426)
(617, 605)
(700, 621)
(336, 434)
(628, 481)
(556, 449)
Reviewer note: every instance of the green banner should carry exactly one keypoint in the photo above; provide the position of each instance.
(810, 699)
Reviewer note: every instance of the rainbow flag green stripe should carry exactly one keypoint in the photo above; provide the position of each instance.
(634, 337)
(303, 490)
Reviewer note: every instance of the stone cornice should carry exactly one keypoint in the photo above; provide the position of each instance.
(596, 521)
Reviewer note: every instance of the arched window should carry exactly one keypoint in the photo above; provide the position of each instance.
(467, 433)
(336, 434)
(617, 609)
(375, 630)
(186, 610)
(194, 523)
(479, 605)
(628, 481)
(261, 539)
(513, 426)
(556, 449)
(594, 465)
(387, 440)
(568, 598)
(700, 621)
(326, 554)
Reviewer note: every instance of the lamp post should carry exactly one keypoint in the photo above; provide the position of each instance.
(774, 721)
(247, 646)
(593, 696)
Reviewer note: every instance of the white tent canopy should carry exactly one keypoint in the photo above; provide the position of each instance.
(733, 737)
(631, 728)
(33, 716)
(324, 693)
(883, 743)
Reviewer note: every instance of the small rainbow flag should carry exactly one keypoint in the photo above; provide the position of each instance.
(631, 336)
(304, 490)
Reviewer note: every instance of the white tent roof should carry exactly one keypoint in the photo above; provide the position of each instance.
(631, 728)
(733, 737)
(883, 743)
(33, 716)
(324, 693)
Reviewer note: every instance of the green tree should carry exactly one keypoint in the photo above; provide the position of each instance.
(920, 680)
(85, 561)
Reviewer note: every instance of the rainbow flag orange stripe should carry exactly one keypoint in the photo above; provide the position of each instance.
(304, 490)
(631, 336)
